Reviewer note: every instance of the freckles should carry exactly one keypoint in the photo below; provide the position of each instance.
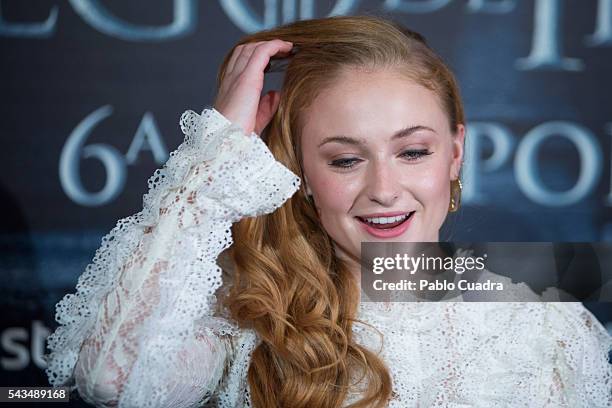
(323, 194)
(335, 188)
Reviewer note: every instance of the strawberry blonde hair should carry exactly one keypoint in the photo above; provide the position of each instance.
(288, 285)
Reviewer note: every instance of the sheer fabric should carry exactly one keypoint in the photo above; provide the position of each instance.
(144, 328)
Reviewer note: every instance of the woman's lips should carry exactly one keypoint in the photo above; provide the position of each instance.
(392, 232)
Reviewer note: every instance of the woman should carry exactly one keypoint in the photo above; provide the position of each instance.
(363, 143)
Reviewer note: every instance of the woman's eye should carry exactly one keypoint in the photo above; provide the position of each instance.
(345, 163)
(415, 154)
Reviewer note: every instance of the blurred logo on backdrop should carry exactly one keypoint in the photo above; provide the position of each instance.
(522, 152)
(546, 51)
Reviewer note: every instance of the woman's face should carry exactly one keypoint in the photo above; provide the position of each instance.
(377, 145)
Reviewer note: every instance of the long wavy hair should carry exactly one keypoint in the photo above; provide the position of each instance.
(288, 284)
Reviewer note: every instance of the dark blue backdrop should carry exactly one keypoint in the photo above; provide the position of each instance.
(91, 92)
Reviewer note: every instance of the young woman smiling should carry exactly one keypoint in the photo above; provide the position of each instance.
(364, 142)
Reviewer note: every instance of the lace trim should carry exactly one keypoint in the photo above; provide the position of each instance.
(265, 186)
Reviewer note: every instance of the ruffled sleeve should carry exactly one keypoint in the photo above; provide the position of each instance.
(141, 329)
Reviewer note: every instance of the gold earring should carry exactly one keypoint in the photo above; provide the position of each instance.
(455, 193)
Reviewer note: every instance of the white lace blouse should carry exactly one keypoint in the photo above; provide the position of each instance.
(142, 329)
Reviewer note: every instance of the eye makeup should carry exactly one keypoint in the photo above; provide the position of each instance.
(349, 162)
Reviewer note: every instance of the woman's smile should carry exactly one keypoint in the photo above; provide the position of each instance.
(386, 225)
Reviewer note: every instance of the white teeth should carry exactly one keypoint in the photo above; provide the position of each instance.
(386, 220)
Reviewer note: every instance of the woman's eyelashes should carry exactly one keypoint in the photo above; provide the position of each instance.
(349, 162)
(415, 154)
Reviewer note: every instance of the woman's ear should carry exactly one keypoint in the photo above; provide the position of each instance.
(457, 152)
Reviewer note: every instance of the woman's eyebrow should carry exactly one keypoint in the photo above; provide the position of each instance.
(356, 141)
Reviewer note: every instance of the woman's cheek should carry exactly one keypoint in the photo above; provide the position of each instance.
(434, 195)
(336, 193)
(342, 192)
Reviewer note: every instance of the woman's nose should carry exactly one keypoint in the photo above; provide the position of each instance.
(383, 184)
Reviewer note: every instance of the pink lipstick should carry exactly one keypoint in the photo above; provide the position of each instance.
(385, 231)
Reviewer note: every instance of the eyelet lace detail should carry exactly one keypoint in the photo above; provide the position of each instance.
(143, 324)
(144, 328)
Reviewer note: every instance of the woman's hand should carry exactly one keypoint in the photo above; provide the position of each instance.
(239, 98)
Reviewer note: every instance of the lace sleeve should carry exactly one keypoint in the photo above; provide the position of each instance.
(138, 332)
(578, 373)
